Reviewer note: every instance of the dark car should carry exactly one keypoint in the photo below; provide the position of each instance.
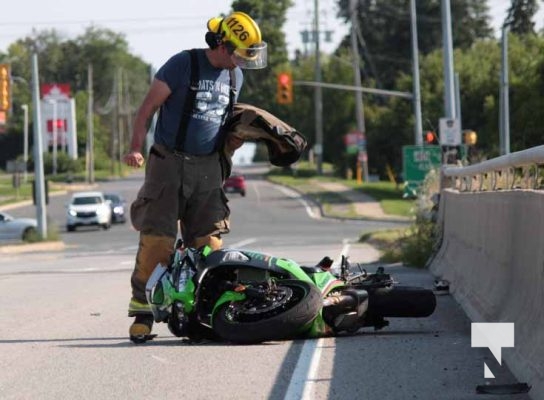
(118, 207)
(236, 183)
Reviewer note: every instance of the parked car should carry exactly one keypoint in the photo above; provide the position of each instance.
(118, 205)
(235, 183)
(86, 209)
(12, 228)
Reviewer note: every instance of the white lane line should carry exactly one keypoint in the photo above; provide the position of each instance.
(257, 193)
(295, 195)
(302, 385)
(303, 381)
(160, 359)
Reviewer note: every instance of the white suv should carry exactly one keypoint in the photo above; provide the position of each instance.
(88, 208)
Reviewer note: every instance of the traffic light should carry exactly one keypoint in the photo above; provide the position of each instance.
(284, 93)
(429, 137)
(470, 137)
(5, 80)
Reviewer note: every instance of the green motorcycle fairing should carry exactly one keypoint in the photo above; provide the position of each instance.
(186, 296)
(326, 282)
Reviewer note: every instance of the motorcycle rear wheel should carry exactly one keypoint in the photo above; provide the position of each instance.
(296, 305)
(402, 302)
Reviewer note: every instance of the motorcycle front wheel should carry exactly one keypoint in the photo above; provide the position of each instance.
(287, 308)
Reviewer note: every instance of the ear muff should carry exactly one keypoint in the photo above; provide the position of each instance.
(213, 40)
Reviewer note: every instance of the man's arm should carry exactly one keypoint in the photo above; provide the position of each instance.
(156, 96)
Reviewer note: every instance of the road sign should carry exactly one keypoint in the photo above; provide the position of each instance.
(450, 132)
(355, 142)
(417, 161)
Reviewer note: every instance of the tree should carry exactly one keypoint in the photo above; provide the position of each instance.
(260, 85)
(520, 16)
(385, 29)
(66, 61)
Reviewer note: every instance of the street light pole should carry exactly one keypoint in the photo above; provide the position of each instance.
(418, 127)
(449, 92)
(318, 96)
(25, 145)
(39, 188)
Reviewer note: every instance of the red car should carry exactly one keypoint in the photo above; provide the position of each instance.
(236, 183)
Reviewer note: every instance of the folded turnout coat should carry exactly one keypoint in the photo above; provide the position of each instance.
(284, 143)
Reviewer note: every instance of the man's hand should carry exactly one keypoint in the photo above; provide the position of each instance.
(134, 159)
(233, 143)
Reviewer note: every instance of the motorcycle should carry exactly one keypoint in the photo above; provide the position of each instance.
(247, 297)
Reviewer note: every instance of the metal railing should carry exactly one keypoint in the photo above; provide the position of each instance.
(519, 170)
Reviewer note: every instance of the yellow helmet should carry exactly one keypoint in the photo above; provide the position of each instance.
(243, 35)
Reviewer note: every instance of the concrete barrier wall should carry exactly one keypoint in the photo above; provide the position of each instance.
(493, 255)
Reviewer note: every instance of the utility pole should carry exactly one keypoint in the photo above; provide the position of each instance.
(121, 113)
(25, 142)
(457, 98)
(114, 117)
(362, 157)
(128, 106)
(39, 180)
(89, 151)
(318, 97)
(449, 92)
(418, 128)
(504, 111)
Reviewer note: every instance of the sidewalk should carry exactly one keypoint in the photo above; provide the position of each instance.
(365, 207)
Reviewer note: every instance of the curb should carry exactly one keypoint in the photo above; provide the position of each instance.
(322, 214)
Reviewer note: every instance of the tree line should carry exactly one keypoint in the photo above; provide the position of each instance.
(386, 63)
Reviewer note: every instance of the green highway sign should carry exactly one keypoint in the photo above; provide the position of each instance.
(417, 161)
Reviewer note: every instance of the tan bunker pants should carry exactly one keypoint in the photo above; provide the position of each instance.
(177, 187)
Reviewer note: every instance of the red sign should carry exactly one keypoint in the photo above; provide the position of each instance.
(60, 125)
(56, 90)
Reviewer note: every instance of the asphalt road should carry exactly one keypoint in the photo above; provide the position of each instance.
(63, 325)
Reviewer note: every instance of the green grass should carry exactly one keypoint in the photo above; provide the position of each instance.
(387, 194)
(9, 194)
(412, 246)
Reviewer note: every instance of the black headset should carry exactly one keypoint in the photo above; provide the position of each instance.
(214, 39)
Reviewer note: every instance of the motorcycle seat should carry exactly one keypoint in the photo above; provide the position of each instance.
(311, 270)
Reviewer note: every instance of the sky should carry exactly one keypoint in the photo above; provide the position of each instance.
(156, 31)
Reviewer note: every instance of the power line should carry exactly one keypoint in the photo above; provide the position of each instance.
(102, 21)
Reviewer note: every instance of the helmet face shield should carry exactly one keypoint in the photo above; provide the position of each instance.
(254, 57)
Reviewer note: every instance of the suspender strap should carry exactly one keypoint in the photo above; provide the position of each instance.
(189, 102)
(232, 98)
(232, 95)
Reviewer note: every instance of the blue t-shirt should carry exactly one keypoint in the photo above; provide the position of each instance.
(209, 108)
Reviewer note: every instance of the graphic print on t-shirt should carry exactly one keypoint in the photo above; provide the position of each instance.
(211, 102)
